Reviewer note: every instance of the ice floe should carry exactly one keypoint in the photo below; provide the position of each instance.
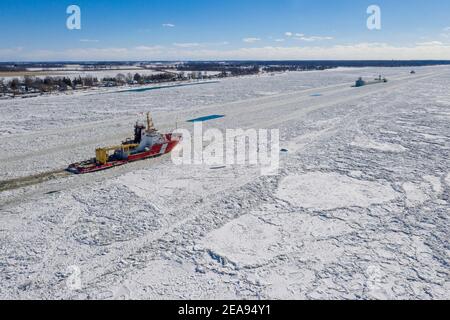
(327, 191)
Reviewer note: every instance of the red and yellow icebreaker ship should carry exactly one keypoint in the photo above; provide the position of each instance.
(147, 143)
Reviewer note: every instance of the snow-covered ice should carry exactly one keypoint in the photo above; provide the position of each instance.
(327, 191)
(359, 209)
(370, 144)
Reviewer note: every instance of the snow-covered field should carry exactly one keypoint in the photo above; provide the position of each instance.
(99, 74)
(359, 210)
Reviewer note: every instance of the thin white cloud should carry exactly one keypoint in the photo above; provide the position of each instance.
(149, 48)
(291, 34)
(197, 44)
(312, 38)
(430, 43)
(187, 45)
(89, 40)
(280, 40)
(359, 51)
(221, 43)
(251, 40)
(303, 37)
(168, 25)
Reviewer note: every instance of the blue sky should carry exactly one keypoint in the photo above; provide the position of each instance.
(224, 29)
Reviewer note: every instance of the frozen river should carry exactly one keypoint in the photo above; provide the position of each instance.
(359, 209)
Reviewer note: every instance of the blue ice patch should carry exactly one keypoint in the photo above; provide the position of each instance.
(168, 86)
(316, 95)
(207, 118)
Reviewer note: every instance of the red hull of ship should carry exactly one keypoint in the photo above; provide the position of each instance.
(156, 151)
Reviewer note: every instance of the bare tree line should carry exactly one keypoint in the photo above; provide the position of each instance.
(38, 85)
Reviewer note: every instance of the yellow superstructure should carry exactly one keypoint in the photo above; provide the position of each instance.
(102, 154)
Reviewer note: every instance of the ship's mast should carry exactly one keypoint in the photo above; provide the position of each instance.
(150, 125)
